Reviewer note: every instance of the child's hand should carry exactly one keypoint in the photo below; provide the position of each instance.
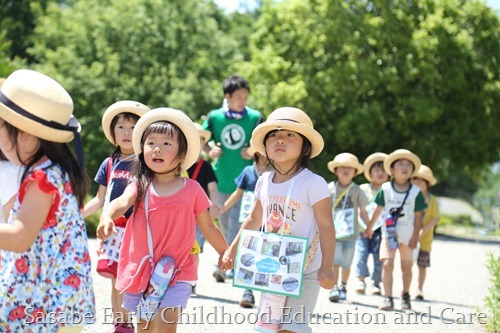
(216, 151)
(325, 277)
(226, 260)
(368, 233)
(413, 241)
(215, 211)
(105, 228)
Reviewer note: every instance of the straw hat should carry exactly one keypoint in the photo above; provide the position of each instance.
(370, 161)
(38, 105)
(292, 119)
(251, 150)
(345, 160)
(115, 109)
(205, 134)
(425, 173)
(173, 116)
(401, 154)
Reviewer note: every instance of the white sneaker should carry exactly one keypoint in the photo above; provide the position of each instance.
(376, 290)
(360, 287)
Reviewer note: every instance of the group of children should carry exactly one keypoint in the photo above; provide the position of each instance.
(159, 199)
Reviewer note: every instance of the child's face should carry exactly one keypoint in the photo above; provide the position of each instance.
(8, 148)
(378, 175)
(284, 146)
(237, 101)
(202, 143)
(421, 183)
(123, 134)
(160, 152)
(345, 174)
(402, 170)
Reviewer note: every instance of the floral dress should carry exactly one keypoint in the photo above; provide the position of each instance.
(50, 284)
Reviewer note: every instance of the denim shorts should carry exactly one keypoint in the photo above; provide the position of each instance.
(175, 296)
(344, 252)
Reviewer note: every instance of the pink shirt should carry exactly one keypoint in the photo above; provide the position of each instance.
(172, 220)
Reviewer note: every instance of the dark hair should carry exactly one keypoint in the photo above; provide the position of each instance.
(126, 116)
(392, 164)
(305, 152)
(141, 173)
(58, 153)
(233, 83)
(377, 164)
(3, 157)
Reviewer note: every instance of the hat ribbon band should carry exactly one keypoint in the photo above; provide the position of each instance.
(51, 124)
(5, 100)
(293, 121)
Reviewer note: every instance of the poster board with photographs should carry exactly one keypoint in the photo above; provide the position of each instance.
(270, 262)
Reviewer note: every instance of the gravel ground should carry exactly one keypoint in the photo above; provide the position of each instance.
(455, 288)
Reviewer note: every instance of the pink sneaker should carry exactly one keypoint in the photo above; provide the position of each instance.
(123, 328)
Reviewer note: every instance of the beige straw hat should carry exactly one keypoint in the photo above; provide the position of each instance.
(370, 161)
(115, 109)
(38, 105)
(206, 135)
(345, 160)
(425, 173)
(401, 154)
(173, 116)
(292, 119)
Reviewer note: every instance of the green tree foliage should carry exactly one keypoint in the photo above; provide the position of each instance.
(380, 75)
(161, 53)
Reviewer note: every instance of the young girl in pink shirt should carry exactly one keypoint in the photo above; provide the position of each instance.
(167, 208)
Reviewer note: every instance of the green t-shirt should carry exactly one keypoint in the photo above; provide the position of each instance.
(233, 135)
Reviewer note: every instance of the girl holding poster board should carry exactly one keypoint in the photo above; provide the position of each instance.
(292, 201)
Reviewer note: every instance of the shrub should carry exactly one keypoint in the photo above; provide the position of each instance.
(493, 299)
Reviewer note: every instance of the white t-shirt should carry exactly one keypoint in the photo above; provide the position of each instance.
(10, 176)
(297, 218)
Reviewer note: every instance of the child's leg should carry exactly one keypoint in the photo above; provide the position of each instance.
(387, 256)
(423, 261)
(120, 315)
(361, 267)
(406, 254)
(165, 320)
(421, 277)
(347, 258)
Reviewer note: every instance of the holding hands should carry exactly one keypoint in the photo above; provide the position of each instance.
(106, 227)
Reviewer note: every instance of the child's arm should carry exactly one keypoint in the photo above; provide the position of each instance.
(215, 210)
(95, 203)
(252, 222)
(7, 207)
(212, 233)
(233, 199)
(419, 216)
(20, 235)
(323, 213)
(429, 226)
(115, 209)
(364, 215)
(376, 214)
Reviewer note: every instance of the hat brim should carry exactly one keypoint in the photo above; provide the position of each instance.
(356, 166)
(391, 158)
(312, 135)
(33, 127)
(206, 135)
(370, 161)
(176, 117)
(115, 109)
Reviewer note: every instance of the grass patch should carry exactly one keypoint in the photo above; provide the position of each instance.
(492, 300)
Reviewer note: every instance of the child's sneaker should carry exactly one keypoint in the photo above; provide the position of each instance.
(334, 294)
(342, 292)
(360, 287)
(405, 302)
(376, 290)
(388, 304)
(420, 295)
(247, 300)
(123, 328)
(218, 275)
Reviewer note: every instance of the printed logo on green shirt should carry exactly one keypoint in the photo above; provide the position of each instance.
(233, 136)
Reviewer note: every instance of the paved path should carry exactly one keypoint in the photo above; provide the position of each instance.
(456, 285)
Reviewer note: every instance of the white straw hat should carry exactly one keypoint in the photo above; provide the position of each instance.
(370, 161)
(402, 154)
(206, 135)
(425, 173)
(173, 116)
(38, 105)
(115, 109)
(345, 160)
(292, 119)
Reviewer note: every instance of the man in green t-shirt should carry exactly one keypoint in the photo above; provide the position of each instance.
(231, 127)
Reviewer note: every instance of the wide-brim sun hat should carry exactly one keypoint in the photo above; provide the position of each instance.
(291, 119)
(370, 161)
(205, 134)
(425, 173)
(38, 105)
(402, 154)
(115, 109)
(345, 160)
(176, 117)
